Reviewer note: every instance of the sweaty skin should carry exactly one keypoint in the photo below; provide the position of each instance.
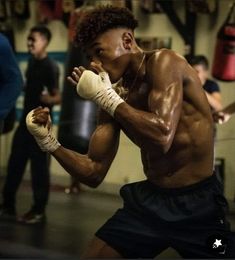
(170, 121)
(166, 115)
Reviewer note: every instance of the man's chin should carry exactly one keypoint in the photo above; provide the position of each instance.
(114, 80)
(31, 50)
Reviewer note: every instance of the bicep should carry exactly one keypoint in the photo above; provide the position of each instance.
(166, 102)
(166, 95)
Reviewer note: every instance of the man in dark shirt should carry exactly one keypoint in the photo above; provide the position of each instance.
(201, 65)
(41, 89)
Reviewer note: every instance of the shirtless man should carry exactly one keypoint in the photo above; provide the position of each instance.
(162, 110)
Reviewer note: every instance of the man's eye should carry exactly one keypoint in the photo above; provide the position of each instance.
(31, 39)
(98, 52)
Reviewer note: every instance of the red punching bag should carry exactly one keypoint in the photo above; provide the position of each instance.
(223, 66)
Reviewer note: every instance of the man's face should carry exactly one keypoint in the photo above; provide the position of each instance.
(108, 49)
(202, 72)
(36, 43)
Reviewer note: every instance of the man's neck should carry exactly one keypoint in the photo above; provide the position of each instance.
(40, 56)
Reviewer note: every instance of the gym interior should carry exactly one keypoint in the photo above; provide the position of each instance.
(185, 26)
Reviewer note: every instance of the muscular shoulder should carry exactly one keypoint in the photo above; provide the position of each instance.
(166, 65)
(165, 57)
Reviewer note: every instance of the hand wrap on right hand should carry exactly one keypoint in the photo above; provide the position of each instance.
(42, 134)
(99, 89)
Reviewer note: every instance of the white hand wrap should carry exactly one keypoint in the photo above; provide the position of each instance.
(99, 89)
(42, 134)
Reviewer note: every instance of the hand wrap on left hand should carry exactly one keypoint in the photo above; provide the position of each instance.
(42, 134)
(99, 89)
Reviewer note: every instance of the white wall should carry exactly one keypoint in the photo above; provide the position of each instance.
(127, 166)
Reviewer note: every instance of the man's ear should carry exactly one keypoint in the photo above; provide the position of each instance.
(127, 39)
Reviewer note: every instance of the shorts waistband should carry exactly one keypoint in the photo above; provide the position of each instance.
(207, 182)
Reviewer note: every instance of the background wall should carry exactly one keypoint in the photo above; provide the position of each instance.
(225, 143)
(127, 166)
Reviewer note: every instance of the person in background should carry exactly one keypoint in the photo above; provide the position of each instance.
(41, 89)
(10, 79)
(201, 65)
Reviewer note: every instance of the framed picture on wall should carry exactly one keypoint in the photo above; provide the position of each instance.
(150, 43)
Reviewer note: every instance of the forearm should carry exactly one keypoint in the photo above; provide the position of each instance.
(214, 103)
(146, 125)
(79, 166)
(89, 169)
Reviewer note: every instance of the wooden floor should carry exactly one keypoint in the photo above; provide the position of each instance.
(71, 223)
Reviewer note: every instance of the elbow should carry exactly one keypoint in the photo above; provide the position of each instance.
(93, 184)
(164, 140)
(165, 144)
(94, 180)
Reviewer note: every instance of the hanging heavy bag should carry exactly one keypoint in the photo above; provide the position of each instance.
(78, 116)
(223, 66)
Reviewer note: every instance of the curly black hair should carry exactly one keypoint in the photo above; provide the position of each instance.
(100, 20)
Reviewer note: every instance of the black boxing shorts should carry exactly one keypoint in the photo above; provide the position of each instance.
(190, 219)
